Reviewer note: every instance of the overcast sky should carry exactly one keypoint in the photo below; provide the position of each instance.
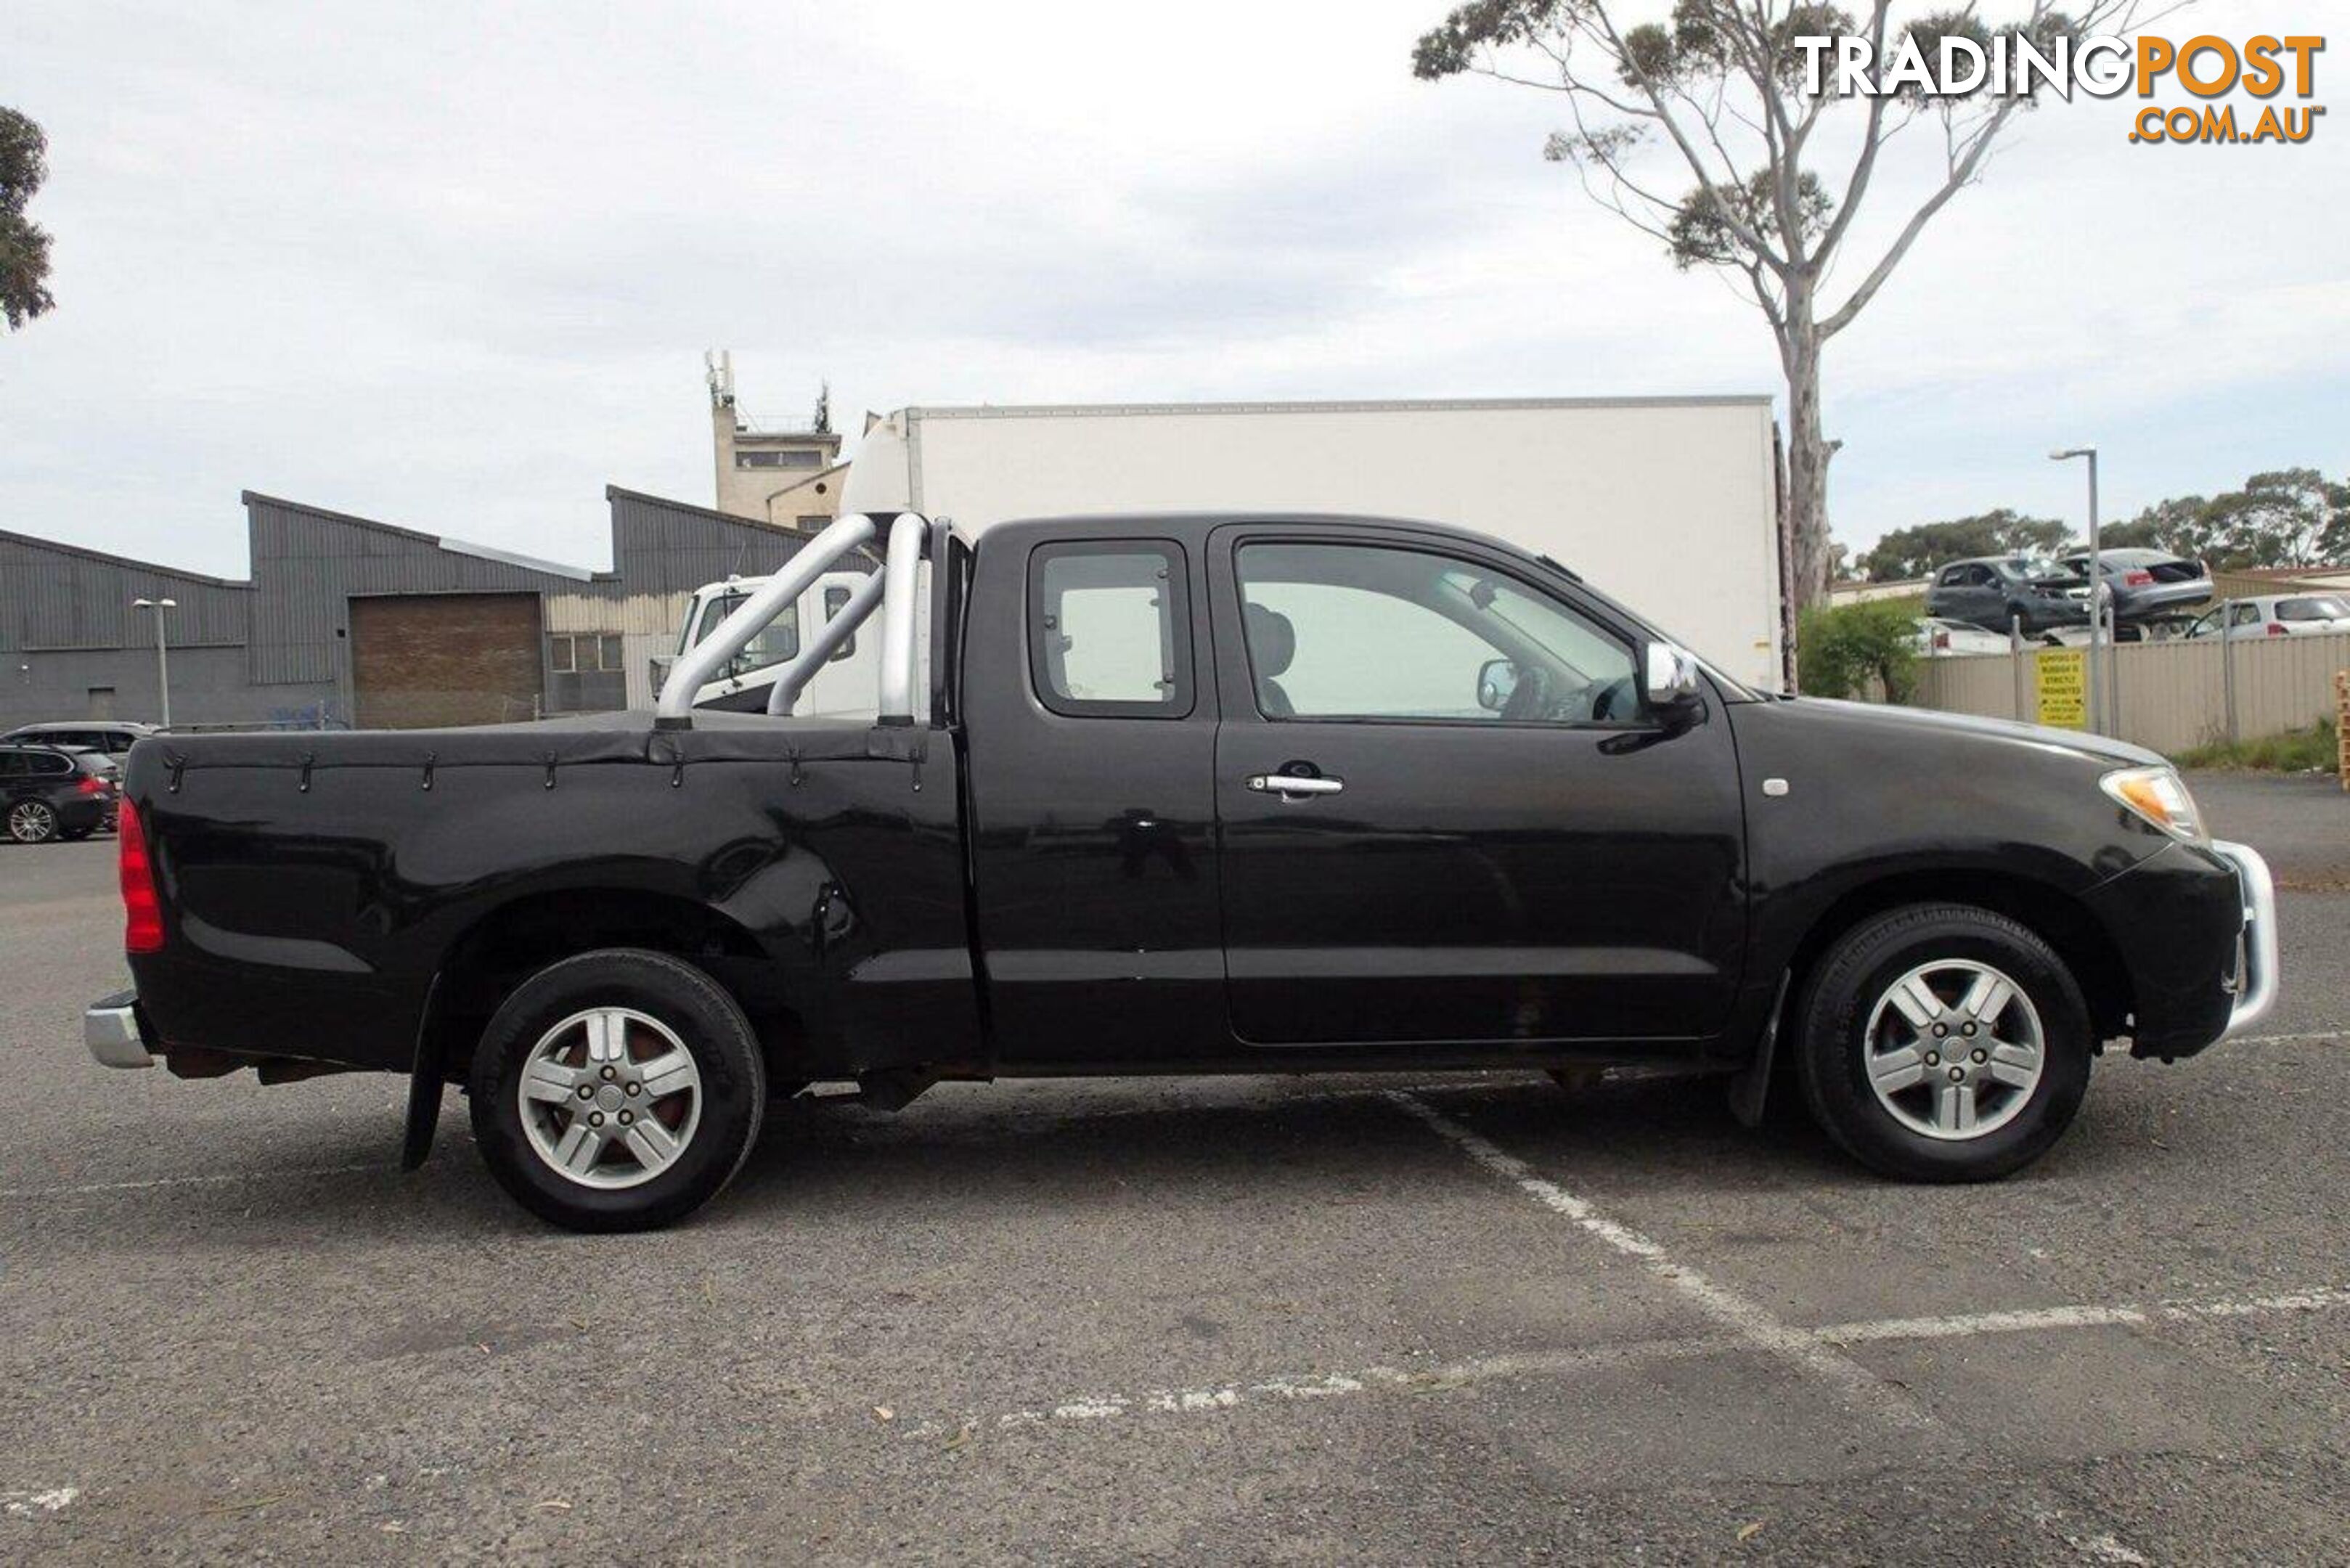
(454, 266)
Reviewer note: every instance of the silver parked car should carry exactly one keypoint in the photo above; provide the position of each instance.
(2145, 584)
(1940, 637)
(113, 736)
(2279, 614)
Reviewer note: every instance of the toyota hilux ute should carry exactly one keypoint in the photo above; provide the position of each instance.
(1221, 793)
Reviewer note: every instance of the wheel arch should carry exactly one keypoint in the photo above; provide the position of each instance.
(2055, 916)
(504, 945)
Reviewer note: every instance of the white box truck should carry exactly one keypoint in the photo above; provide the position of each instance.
(1669, 503)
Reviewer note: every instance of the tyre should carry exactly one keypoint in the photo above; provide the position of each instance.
(1943, 1043)
(32, 822)
(618, 1090)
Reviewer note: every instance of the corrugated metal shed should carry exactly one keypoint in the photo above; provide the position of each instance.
(308, 564)
(667, 546)
(282, 639)
(58, 597)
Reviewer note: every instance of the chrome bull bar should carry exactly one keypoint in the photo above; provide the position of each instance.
(2257, 964)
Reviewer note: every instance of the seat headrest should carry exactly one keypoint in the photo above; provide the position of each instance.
(1271, 639)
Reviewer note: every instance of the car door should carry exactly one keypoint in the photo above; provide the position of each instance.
(1445, 814)
(1970, 593)
(1091, 805)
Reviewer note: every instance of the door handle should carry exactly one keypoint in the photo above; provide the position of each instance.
(1290, 786)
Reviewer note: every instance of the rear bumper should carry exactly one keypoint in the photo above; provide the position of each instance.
(2161, 599)
(110, 1029)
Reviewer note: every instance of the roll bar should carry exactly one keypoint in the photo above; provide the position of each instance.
(893, 589)
(908, 534)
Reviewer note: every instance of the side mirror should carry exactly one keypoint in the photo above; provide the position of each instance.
(1495, 681)
(1667, 677)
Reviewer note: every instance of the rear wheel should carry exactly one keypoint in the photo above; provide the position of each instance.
(1943, 1043)
(32, 822)
(618, 1090)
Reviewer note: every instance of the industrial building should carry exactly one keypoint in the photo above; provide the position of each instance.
(346, 620)
(777, 474)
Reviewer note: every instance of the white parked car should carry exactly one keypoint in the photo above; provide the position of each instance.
(1938, 635)
(2279, 614)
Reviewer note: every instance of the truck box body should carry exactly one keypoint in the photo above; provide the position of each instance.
(1669, 503)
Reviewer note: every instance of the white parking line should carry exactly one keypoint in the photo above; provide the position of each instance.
(1757, 1326)
(1217, 1398)
(43, 1499)
(2305, 1036)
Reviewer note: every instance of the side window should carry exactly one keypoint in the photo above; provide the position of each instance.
(835, 601)
(2243, 614)
(12, 765)
(1109, 628)
(49, 764)
(778, 642)
(1360, 631)
(1954, 576)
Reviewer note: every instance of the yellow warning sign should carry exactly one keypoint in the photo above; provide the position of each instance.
(2060, 684)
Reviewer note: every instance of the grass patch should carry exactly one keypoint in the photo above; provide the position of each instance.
(2313, 746)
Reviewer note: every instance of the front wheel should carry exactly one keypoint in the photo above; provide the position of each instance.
(618, 1090)
(1943, 1043)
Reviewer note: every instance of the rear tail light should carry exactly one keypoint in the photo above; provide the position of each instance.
(2136, 580)
(1942, 639)
(2277, 629)
(143, 927)
(90, 786)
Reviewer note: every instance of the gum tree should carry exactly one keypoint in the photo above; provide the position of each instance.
(1698, 132)
(24, 245)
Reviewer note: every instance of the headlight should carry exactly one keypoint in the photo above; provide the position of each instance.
(2159, 795)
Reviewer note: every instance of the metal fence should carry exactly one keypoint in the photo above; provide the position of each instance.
(2172, 695)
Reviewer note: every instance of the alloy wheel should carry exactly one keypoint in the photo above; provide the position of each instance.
(31, 821)
(611, 1097)
(1954, 1049)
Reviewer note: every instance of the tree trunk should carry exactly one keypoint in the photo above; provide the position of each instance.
(1807, 461)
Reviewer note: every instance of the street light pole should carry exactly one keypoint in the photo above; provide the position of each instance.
(162, 659)
(2102, 696)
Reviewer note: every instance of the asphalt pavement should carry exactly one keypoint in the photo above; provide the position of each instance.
(1403, 1320)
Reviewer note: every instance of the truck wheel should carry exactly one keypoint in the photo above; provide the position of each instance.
(32, 822)
(617, 1091)
(1943, 1043)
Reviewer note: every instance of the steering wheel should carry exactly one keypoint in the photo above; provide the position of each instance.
(1606, 699)
(1530, 701)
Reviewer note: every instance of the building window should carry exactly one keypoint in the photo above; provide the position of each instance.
(584, 654)
(787, 459)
